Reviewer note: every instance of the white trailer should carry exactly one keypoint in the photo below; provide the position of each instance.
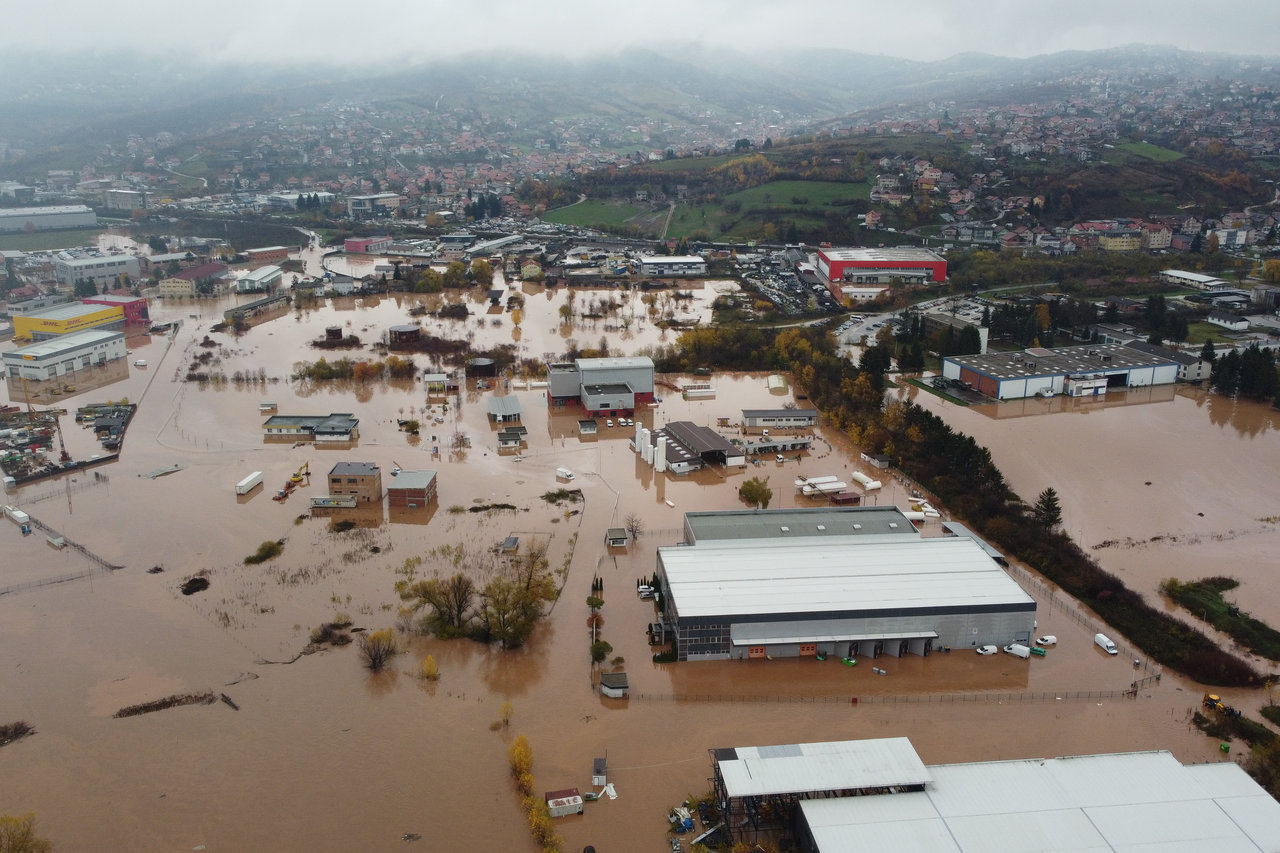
(17, 516)
(249, 483)
(866, 482)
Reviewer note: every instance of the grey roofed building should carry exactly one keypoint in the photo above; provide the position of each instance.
(848, 591)
(792, 523)
(1106, 803)
(340, 426)
(407, 480)
(503, 409)
(354, 469)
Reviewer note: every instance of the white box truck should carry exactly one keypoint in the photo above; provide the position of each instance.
(249, 483)
(1105, 644)
(564, 473)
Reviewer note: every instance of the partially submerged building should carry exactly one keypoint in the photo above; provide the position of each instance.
(1081, 371)
(412, 489)
(852, 796)
(339, 426)
(607, 387)
(360, 479)
(683, 446)
(779, 418)
(64, 355)
(504, 410)
(848, 581)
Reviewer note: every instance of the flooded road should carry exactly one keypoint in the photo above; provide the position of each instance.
(323, 755)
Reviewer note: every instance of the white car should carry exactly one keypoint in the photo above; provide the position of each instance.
(781, 458)
(609, 423)
(987, 650)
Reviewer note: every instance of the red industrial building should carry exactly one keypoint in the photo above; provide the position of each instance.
(879, 266)
(268, 254)
(134, 307)
(366, 245)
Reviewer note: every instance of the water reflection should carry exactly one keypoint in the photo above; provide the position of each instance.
(1032, 406)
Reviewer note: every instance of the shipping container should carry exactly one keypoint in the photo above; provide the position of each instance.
(249, 483)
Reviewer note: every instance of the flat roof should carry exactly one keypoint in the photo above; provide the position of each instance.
(353, 469)
(838, 577)
(779, 413)
(1120, 802)
(736, 524)
(109, 299)
(887, 254)
(614, 363)
(68, 312)
(1191, 276)
(671, 259)
(1064, 360)
(19, 212)
(62, 344)
(761, 771)
(608, 388)
(412, 480)
(335, 422)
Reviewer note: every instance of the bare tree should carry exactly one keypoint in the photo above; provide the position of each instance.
(635, 526)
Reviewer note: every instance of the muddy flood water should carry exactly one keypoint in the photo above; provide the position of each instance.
(322, 755)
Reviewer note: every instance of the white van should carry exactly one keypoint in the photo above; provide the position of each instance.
(1018, 651)
(1105, 644)
(564, 473)
(1047, 640)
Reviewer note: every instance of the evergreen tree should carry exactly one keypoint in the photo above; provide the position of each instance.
(1047, 509)
(970, 341)
(1225, 378)
(1208, 353)
(986, 316)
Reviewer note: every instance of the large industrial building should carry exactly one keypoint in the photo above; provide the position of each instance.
(340, 426)
(856, 581)
(65, 319)
(879, 266)
(1083, 371)
(134, 307)
(683, 446)
(64, 355)
(876, 794)
(603, 386)
(672, 265)
(95, 266)
(47, 218)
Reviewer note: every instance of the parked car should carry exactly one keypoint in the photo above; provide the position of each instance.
(781, 458)
(643, 588)
(1047, 640)
(609, 423)
(987, 650)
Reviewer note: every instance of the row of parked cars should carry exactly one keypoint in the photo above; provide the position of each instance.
(1018, 650)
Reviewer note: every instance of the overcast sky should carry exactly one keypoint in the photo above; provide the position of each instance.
(253, 31)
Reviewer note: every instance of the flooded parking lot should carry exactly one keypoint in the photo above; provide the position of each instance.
(322, 754)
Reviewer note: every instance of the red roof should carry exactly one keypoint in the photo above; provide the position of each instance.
(561, 795)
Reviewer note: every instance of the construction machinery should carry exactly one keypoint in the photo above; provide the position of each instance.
(1213, 701)
(297, 478)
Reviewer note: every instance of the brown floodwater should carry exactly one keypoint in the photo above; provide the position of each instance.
(1163, 482)
(321, 754)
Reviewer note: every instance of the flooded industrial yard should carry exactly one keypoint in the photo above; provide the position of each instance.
(1163, 482)
(322, 755)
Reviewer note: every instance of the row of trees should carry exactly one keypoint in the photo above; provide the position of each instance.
(456, 276)
(1251, 373)
(324, 370)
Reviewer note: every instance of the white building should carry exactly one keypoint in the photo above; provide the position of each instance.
(124, 199)
(876, 794)
(1200, 281)
(672, 265)
(47, 218)
(367, 206)
(1064, 370)
(64, 355)
(262, 279)
(862, 294)
(96, 266)
(1234, 322)
(855, 581)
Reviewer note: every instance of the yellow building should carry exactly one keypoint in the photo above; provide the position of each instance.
(177, 286)
(64, 319)
(1120, 241)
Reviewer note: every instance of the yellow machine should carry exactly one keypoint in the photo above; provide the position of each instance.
(304, 471)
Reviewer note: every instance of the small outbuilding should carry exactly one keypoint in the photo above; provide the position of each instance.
(564, 803)
(504, 409)
(614, 685)
(588, 427)
(616, 537)
(598, 772)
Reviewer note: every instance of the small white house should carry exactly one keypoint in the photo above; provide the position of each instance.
(564, 803)
(614, 684)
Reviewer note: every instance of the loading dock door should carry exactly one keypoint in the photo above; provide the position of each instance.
(755, 652)
(808, 649)
(1118, 380)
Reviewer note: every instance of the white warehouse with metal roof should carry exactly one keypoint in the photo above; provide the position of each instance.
(848, 581)
(876, 794)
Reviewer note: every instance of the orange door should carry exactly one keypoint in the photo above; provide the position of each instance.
(808, 649)
(755, 652)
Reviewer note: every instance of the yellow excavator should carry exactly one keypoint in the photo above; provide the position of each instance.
(303, 473)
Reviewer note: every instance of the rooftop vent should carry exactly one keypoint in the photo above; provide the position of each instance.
(893, 524)
(786, 529)
(857, 527)
(822, 527)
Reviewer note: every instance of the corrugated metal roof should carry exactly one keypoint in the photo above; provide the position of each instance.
(832, 575)
(1132, 802)
(832, 766)
(824, 521)
(504, 406)
(837, 631)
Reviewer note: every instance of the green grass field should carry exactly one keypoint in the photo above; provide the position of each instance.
(811, 194)
(1151, 152)
(610, 214)
(1198, 333)
(42, 240)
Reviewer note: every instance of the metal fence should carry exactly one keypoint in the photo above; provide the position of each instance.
(89, 555)
(896, 699)
(36, 584)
